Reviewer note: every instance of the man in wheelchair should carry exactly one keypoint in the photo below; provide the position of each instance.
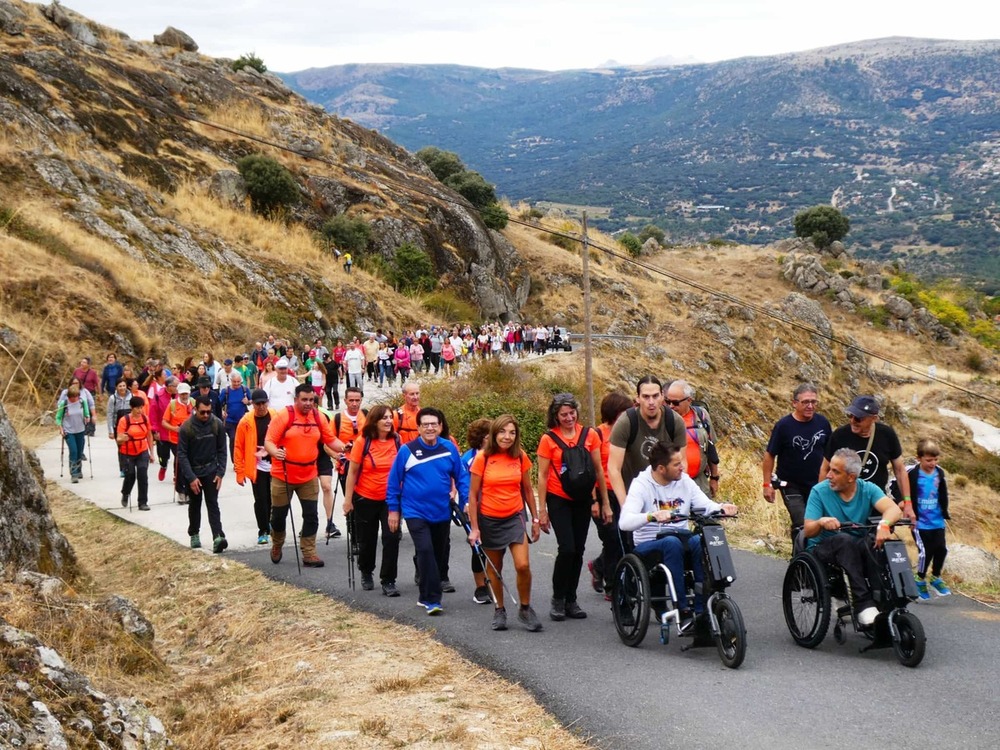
(661, 491)
(843, 499)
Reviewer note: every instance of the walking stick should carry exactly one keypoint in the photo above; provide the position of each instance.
(333, 503)
(62, 453)
(352, 549)
(295, 539)
(462, 520)
(91, 453)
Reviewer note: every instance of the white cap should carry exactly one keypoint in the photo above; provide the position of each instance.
(183, 388)
(281, 363)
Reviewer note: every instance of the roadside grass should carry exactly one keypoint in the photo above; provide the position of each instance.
(243, 662)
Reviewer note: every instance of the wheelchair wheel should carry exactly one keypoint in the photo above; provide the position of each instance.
(732, 638)
(630, 600)
(805, 599)
(912, 641)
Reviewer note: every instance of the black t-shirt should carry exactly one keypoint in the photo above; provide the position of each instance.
(262, 423)
(885, 449)
(798, 448)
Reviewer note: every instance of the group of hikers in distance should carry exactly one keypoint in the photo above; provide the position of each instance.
(653, 456)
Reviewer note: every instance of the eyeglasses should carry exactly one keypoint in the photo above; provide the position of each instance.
(811, 402)
(429, 425)
(676, 402)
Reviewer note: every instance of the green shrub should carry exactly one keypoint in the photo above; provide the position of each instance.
(631, 244)
(566, 243)
(824, 225)
(443, 164)
(350, 234)
(249, 60)
(494, 216)
(448, 306)
(876, 314)
(473, 187)
(651, 230)
(412, 270)
(270, 185)
(947, 312)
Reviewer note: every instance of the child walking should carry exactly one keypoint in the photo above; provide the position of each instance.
(930, 493)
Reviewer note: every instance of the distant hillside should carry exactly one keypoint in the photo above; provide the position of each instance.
(902, 134)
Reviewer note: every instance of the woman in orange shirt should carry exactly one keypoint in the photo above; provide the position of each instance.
(570, 518)
(364, 495)
(499, 494)
(134, 437)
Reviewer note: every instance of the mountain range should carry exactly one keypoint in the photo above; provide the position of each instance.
(901, 134)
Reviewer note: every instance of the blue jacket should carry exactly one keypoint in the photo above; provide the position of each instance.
(110, 376)
(420, 480)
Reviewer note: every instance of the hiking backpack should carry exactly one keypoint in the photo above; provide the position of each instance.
(578, 475)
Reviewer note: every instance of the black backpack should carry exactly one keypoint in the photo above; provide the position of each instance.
(580, 476)
(633, 423)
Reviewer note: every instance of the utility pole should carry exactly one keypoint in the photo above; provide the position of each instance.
(587, 351)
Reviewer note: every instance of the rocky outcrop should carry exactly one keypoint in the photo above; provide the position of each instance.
(72, 25)
(29, 539)
(172, 37)
(973, 565)
(11, 19)
(53, 706)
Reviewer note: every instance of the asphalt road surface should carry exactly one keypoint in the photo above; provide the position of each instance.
(653, 696)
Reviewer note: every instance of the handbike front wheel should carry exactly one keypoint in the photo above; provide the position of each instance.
(732, 638)
(912, 642)
(805, 599)
(630, 600)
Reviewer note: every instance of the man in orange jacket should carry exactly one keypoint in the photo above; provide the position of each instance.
(252, 461)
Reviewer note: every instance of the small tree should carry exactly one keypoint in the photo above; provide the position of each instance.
(631, 243)
(824, 225)
(651, 230)
(443, 164)
(350, 234)
(473, 187)
(494, 216)
(270, 186)
(249, 60)
(412, 270)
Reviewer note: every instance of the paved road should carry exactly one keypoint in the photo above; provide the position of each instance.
(654, 696)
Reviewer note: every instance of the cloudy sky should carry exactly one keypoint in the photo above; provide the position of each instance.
(548, 34)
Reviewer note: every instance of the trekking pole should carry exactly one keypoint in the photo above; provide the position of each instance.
(295, 539)
(351, 551)
(333, 503)
(461, 519)
(91, 454)
(62, 453)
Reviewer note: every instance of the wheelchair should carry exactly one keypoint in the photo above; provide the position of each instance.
(721, 624)
(810, 585)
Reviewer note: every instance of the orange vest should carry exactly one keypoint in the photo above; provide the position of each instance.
(176, 415)
(138, 435)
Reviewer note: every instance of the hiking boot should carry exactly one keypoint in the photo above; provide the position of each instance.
(219, 544)
(447, 587)
(125, 503)
(263, 539)
(162, 473)
(922, 591)
(499, 619)
(558, 610)
(309, 557)
(367, 582)
(574, 612)
(482, 595)
(389, 589)
(527, 617)
(195, 541)
(314, 562)
(939, 586)
(143, 507)
(595, 578)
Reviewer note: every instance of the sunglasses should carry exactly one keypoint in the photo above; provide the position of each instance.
(676, 402)
(564, 399)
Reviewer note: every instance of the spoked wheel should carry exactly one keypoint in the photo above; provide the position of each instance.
(630, 600)
(912, 642)
(732, 638)
(806, 600)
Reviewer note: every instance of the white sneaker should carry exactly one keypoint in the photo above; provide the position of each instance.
(867, 616)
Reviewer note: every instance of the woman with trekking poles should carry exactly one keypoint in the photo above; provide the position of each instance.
(72, 417)
(569, 465)
(364, 495)
(501, 500)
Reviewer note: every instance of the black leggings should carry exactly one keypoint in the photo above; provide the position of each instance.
(369, 517)
(615, 544)
(571, 522)
(262, 502)
(932, 551)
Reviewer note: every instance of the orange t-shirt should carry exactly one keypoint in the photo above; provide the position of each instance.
(373, 471)
(547, 448)
(300, 437)
(138, 435)
(501, 475)
(605, 430)
(693, 453)
(405, 425)
(176, 414)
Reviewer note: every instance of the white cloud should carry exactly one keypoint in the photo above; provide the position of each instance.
(549, 34)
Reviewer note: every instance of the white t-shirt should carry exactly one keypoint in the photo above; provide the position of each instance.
(355, 361)
(281, 394)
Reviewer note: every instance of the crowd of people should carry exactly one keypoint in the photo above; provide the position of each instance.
(275, 418)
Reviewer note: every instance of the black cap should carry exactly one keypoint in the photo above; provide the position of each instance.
(228, 361)
(204, 382)
(259, 396)
(863, 406)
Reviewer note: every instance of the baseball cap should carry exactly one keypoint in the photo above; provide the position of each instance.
(312, 352)
(282, 364)
(863, 406)
(228, 361)
(259, 396)
(183, 388)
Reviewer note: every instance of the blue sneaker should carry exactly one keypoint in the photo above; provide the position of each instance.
(263, 539)
(433, 609)
(922, 590)
(938, 585)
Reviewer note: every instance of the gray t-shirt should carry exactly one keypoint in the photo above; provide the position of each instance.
(637, 454)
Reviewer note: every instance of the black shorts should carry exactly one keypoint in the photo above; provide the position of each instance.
(324, 464)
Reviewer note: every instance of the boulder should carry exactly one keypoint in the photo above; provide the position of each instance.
(897, 306)
(973, 565)
(229, 187)
(800, 308)
(76, 29)
(172, 37)
(29, 539)
(11, 19)
(131, 619)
